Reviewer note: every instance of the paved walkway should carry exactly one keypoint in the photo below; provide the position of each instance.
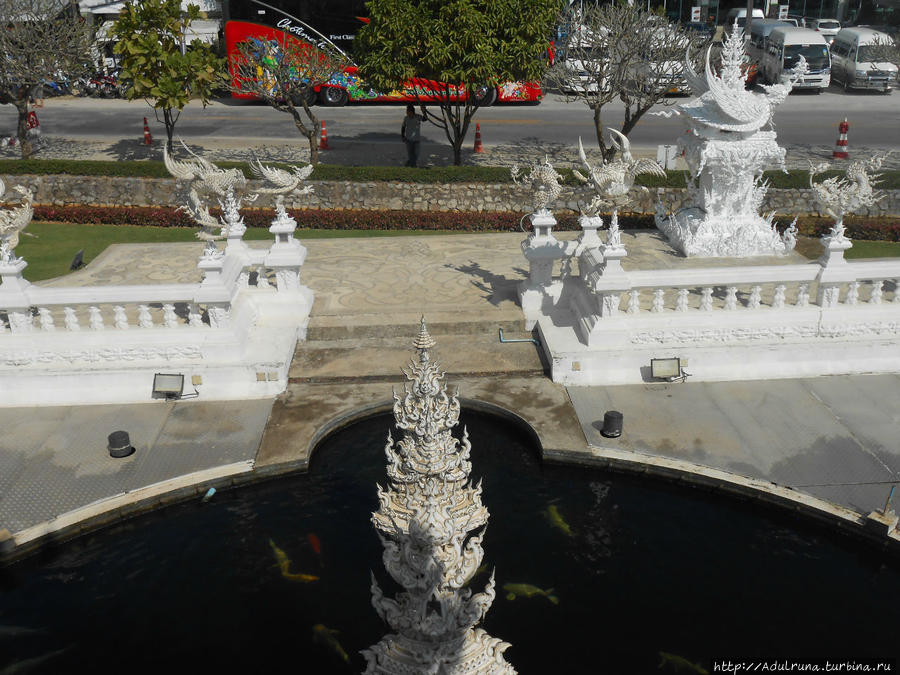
(370, 293)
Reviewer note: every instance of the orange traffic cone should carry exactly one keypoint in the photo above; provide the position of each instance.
(148, 139)
(323, 142)
(840, 148)
(478, 147)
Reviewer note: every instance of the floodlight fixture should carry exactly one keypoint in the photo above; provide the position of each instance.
(668, 369)
(168, 385)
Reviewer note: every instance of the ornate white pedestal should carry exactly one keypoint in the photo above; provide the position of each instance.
(12, 296)
(541, 249)
(727, 195)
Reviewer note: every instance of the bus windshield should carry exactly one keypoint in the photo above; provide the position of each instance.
(816, 56)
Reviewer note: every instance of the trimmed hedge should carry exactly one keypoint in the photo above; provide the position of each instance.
(889, 180)
(857, 227)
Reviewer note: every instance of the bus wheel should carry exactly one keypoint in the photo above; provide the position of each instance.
(333, 97)
(309, 94)
(485, 96)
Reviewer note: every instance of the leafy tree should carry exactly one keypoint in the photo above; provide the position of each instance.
(40, 40)
(158, 64)
(284, 73)
(455, 48)
(620, 51)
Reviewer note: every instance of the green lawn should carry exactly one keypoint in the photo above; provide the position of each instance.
(874, 249)
(51, 250)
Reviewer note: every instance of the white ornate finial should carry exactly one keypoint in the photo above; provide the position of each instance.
(431, 522)
(423, 339)
(13, 222)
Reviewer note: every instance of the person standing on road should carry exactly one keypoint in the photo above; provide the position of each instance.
(411, 134)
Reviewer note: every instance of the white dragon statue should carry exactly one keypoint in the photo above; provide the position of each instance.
(14, 221)
(545, 185)
(852, 192)
(205, 178)
(283, 183)
(612, 182)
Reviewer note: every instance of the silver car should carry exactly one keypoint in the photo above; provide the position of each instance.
(827, 27)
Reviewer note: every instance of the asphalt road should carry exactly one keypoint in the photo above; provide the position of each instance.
(804, 118)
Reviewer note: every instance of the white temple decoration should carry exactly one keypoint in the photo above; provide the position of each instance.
(727, 150)
(545, 185)
(13, 222)
(286, 251)
(837, 196)
(208, 179)
(610, 185)
(541, 248)
(431, 522)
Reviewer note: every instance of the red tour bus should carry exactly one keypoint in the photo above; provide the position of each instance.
(338, 24)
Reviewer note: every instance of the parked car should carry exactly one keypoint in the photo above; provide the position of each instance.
(740, 16)
(784, 47)
(827, 27)
(759, 33)
(853, 64)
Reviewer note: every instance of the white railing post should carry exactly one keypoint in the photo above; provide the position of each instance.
(541, 249)
(835, 270)
(13, 296)
(285, 257)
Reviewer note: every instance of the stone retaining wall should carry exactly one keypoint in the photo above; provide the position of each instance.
(112, 191)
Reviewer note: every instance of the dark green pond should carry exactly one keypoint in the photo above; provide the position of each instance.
(647, 568)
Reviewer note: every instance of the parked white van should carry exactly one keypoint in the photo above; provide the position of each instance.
(851, 60)
(785, 46)
(759, 33)
(740, 15)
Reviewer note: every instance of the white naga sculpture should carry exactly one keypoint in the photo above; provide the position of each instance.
(611, 185)
(13, 222)
(431, 522)
(837, 196)
(727, 150)
(206, 178)
(283, 183)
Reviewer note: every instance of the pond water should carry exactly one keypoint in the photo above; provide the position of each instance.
(647, 569)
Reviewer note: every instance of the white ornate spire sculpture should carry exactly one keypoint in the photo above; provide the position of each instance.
(431, 522)
(727, 150)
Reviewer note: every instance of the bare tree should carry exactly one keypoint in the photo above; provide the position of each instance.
(885, 49)
(621, 52)
(40, 40)
(284, 73)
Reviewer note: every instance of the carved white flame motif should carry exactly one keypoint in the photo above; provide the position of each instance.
(431, 522)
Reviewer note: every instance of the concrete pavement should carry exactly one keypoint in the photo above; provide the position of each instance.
(825, 445)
